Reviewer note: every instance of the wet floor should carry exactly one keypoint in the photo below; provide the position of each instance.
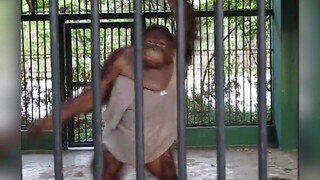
(242, 164)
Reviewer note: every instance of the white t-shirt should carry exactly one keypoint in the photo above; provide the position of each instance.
(160, 119)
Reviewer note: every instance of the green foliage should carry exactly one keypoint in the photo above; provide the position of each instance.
(29, 100)
(201, 112)
(83, 127)
(82, 73)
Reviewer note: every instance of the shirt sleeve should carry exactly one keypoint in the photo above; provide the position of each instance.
(121, 97)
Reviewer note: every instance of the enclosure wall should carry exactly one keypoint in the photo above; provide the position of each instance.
(285, 72)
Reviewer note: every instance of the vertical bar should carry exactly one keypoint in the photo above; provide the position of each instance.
(77, 59)
(187, 103)
(84, 72)
(24, 74)
(126, 37)
(64, 6)
(262, 90)
(271, 67)
(157, 10)
(86, 6)
(108, 6)
(38, 70)
(208, 61)
(105, 44)
(45, 65)
(149, 7)
(71, 6)
(219, 85)
(111, 39)
(21, 9)
(201, 65)
(229, 66)
(69, 74)
(139, 112)
(144, 5)
(119, 42)
(181, 52)
(35, 5)
(129, 5)
(250, 60)
(31, 70)
(165, 9)
(172, 24)
(43, 7)
(62, 72)
(243, 68)
(79, 122)
(236, 118)
(29, 9)
(121, 6)
(17, 152)
(243, 65)
(79, 3)
(56, 90)
(95, 68)
(78, 87)
(194, 90)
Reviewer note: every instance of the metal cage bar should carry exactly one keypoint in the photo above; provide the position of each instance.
(96, 78)
(138, 71)
(114, 6)
(55, 63)
(219, 89)
(166, 14)
(180, 65)
(262, 114)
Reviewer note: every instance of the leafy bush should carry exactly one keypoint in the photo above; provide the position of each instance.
(203, 113)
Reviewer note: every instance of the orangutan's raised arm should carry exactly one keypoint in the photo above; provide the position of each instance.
(191, 31)
(84, 102)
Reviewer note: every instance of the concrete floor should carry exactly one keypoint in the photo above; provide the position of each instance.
(242, 164)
